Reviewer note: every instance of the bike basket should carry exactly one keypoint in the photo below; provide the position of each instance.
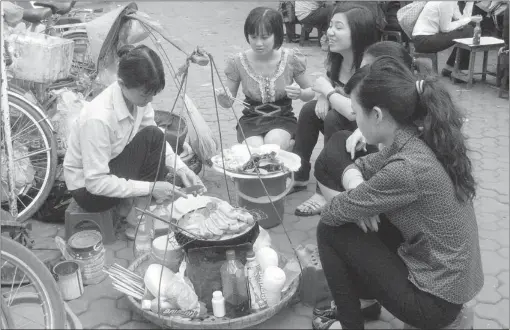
(40, 58)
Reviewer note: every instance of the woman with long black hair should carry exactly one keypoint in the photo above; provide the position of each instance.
(399, 226)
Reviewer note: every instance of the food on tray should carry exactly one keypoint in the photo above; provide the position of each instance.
(238, 159)
(217, 220)
(266, 159)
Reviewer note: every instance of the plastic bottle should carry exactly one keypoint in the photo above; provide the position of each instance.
(235, 289)
(273, 282)
(266, 257)
(477, 34)
(254, 277)
(218, 304)
(143, 241)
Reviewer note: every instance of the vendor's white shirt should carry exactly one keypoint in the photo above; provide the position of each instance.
(305, 8)
(437, 17)
(100, 133)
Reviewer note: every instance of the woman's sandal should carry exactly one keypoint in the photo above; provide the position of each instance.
(313, 206)
(371, 311)
(324, 323)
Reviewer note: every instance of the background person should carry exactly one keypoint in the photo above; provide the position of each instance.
(439, 23)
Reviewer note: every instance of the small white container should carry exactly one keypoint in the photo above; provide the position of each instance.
(218, 304)
(273, 282)
(266, 257)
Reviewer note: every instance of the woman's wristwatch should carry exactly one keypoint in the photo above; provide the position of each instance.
(331, 93)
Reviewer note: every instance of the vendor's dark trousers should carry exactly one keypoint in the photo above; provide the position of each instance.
(441, 41)
(307, 134)
(139, 160)
(360, 265)
(318, 18)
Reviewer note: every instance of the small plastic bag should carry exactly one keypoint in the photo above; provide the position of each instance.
(132, 32)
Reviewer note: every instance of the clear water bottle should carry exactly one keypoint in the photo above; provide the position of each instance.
(143, 242)
(477, 34)
(234, 284)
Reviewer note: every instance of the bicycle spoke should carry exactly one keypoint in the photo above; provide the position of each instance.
(32, 154)
(34, 125)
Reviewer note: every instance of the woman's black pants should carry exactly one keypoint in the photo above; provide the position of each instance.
(360, 265)
(441, 41)
(307, 134)
(139, 160)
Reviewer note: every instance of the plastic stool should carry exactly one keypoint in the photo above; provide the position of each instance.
(77, 219)
(463, 321)
(432, 56)
(314, 287)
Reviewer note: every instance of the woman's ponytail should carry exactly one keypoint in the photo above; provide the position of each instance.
(442, 131)
(389, 84)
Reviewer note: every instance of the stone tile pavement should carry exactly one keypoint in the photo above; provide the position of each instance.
(218, 27)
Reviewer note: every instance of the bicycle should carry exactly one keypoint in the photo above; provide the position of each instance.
(33, 142)
(26, 281)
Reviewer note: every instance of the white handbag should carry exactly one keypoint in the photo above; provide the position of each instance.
(408, 15)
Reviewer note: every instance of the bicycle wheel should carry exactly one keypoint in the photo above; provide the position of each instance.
(6, 321)
(35, 157)
(23, 273)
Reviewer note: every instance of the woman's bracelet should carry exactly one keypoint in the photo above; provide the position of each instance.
(330, 93)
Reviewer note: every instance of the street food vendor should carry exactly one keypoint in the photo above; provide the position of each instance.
(115, 150)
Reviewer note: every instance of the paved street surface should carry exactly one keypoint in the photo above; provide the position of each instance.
(218, 27)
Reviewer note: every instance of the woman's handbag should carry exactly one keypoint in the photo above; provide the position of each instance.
(408, 15)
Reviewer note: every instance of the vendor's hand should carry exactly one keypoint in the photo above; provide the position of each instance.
(189, 178)
(162, 190)
(322, 85)
(224, 98)
(322, 107)
(371, 224)
(476, 19)
(293, 91)
(355, 142)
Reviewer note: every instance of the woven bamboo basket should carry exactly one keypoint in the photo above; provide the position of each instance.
(209, 322)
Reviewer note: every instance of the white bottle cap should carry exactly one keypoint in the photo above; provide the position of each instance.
(217, 294)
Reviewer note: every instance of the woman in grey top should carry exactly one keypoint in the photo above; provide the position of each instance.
(421, 258)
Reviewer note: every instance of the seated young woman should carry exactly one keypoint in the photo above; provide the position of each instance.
(351, 30)
(400, 226)
(267, 73)
(115, 149)
(315, 204)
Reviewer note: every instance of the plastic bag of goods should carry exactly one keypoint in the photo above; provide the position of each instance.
(174, 288)
(68, 107)
(132, 32)
(23, 170)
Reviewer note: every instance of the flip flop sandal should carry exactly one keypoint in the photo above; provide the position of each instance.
(322, 323)
(312, 207)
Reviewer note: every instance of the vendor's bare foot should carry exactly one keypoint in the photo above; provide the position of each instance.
(312, 206)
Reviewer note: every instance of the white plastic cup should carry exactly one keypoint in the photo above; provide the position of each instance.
(273, 282)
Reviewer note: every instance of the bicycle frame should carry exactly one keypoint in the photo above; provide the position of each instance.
(6, 123)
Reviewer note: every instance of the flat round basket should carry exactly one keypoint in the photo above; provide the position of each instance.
(209, 322)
